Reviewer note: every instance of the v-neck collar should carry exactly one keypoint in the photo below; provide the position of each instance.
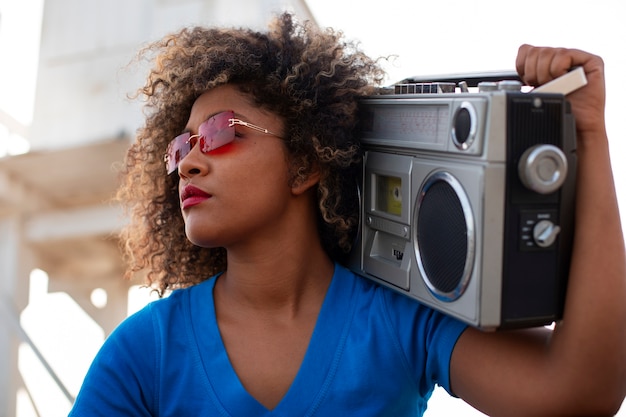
(316, 370)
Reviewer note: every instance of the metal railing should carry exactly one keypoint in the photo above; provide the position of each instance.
(8, 314)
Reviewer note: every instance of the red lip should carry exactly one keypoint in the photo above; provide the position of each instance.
(191, 196)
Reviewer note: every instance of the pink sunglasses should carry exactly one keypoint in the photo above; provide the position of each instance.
(216, 131)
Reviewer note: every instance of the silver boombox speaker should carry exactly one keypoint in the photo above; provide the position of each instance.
(468, 198)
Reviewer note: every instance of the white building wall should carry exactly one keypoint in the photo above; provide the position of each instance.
(86, 45)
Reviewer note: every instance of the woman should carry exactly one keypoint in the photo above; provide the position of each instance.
(249, 219)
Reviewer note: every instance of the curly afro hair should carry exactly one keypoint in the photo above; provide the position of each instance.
(309, 77)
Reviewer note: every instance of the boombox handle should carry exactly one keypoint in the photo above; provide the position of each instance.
(472, 79)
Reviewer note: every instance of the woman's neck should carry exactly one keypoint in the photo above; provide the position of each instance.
(284, 279)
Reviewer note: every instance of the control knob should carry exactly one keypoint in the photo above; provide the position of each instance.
(545, 233)
(543, 168)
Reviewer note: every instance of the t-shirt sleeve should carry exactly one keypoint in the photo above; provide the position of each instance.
(122, 378)
(426, 337)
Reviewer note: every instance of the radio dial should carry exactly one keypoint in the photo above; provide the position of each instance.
(543, 168)
(545, 233)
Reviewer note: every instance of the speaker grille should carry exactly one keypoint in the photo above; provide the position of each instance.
(444, 241)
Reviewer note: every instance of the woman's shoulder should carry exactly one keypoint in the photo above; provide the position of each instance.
(370, 291)
(399, 310)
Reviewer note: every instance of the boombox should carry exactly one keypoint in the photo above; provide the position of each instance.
(467, 199)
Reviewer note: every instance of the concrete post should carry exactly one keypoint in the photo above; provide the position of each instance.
(15, 265)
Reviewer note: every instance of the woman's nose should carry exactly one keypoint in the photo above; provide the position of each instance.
(194, 163)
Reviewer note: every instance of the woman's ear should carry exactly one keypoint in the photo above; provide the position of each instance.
(304, 182)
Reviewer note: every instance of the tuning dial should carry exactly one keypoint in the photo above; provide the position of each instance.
(545, 233)
(543, 168)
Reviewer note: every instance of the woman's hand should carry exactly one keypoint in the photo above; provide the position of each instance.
(539, 65)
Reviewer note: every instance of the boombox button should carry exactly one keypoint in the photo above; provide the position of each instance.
(388, 226)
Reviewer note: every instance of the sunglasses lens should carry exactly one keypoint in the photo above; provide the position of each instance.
(216, 131)
(212, 134)
(176, 151)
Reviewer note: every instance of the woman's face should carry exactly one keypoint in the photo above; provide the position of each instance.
(240, 191)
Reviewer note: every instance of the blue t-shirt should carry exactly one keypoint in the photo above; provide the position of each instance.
(373, 353)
